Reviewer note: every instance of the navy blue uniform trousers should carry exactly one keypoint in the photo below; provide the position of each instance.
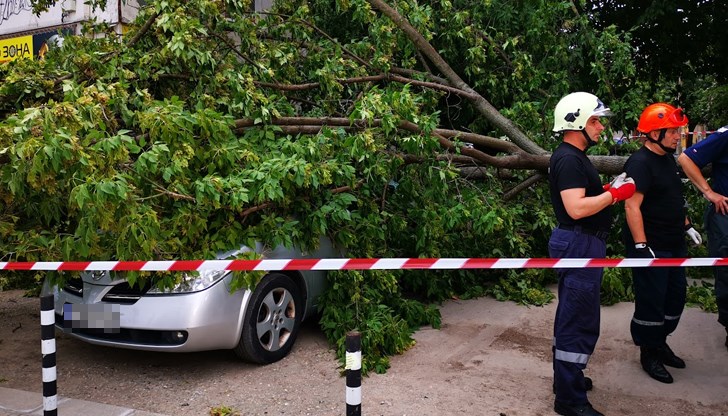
(717, 226)
(659, 299)
(576, 325)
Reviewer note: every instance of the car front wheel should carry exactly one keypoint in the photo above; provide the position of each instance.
(272, 320)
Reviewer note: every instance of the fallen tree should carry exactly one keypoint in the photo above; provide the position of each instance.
(210, 126)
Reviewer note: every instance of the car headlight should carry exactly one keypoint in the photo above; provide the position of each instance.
(192, 282)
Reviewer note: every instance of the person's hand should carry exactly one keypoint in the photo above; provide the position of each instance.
(644, 251)
(719, 201)
(693, 234)
(621, 188)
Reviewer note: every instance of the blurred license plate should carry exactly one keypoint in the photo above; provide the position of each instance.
(99, 317)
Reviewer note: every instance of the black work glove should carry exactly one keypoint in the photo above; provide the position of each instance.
(644, 251)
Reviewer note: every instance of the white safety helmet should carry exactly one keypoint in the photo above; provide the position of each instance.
(572, 111)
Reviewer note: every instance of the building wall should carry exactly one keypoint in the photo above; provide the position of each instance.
(26, 35)
(262, 5)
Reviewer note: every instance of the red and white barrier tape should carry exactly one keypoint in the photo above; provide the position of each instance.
(362, 264)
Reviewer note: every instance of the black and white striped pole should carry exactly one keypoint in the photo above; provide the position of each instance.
(48, 349)
(353, 373)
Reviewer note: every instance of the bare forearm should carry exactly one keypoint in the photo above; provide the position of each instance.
(587, 206)
(635, 223)
(692, 171)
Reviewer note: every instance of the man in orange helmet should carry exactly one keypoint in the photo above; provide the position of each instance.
(657, 221)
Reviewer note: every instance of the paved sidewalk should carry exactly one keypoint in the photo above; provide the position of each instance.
(18, 402)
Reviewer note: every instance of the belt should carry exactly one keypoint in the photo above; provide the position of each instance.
(603, 235)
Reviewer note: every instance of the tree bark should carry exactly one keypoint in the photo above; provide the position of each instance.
(515, 157)
(485, 108)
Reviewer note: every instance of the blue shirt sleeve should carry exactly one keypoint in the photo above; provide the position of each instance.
(710, 149)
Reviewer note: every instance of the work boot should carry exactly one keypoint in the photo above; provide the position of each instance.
(650, 360)
(588, 384)
(575, 409)
(669, 358)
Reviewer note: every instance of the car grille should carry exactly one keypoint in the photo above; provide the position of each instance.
(74, 286)
(121, 293)
(125, 293)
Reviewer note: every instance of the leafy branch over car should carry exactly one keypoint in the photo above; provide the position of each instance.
(392, 129)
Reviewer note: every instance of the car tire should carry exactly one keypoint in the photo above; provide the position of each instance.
(272, 320)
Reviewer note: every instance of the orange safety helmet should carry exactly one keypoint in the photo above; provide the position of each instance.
(661, 116)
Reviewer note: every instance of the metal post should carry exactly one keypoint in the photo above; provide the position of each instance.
(353, 373)
(48, 349)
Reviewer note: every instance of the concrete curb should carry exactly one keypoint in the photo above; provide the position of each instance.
(18, 402)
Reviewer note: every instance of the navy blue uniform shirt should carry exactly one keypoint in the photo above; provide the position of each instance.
(714, 149)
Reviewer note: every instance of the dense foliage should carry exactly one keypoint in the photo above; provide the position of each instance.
(673, 38)
(209, 126)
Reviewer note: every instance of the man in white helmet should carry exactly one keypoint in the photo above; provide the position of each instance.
(583, 209)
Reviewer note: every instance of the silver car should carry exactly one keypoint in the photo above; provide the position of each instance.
(199, 314)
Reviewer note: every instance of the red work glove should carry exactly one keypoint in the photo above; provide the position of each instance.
(621, 188)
